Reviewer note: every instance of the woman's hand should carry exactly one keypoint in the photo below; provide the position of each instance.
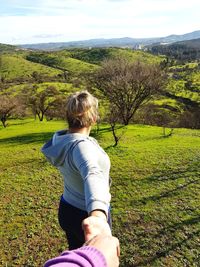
(93, 226)
(98, 234)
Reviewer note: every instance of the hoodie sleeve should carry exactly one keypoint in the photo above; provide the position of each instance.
(86, 158)
(83, 257)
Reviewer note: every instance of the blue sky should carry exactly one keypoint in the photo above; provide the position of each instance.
(41, 21)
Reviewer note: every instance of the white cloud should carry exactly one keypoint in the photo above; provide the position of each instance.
(66, 20)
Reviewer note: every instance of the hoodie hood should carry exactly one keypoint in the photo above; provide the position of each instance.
(56, 149)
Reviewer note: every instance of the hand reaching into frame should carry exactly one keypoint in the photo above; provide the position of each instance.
(93, 226)
(108, 246)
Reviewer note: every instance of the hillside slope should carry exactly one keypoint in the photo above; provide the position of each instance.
(62, 60)
(97, 55)
(7, 48)
(185, 50)
(14, 67)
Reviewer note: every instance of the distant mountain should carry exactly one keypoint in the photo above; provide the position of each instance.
(113, 42)
(178, 38)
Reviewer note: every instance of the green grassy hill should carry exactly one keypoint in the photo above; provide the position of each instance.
(62, 60)
(182, 91)
(8, 48)
(185, 81)
(15, 67)
(80, 61)
(73, 65)
(28, 66)
(97, 55)
(155, 195)
(179, 88)
(64, 88)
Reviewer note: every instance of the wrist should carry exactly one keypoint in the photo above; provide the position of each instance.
(99, 213)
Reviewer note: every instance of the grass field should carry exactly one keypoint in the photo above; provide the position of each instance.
(155, 195)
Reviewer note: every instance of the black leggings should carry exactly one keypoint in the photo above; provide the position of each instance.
(70, 219)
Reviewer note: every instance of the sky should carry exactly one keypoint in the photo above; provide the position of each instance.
(43, 21)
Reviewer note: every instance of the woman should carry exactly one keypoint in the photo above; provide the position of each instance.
(84, 166)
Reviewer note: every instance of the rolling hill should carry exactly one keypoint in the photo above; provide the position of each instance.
(72, 66)
(97, 55)
(8, 48)
(15, 68)
(186, 50)
(62, 60)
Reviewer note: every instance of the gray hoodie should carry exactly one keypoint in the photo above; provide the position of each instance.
(85, 168)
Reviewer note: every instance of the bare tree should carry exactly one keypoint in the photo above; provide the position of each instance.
(128, 85)
(7, 106)
(113, 118)
(39, 100)
(57, 109)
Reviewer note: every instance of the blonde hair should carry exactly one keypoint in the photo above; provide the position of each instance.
(82, 109)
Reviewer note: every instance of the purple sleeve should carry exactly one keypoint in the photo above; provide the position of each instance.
(83, 257)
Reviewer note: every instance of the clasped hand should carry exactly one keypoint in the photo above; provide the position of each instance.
(98, 234)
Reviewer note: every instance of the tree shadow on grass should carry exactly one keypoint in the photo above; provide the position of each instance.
(166, 251)
(178, 226)
(168, 193)
(172, 174)
(39, 162)
(154, 138)
(188, 227)
(96, 133)
(22, 122)
(187, 175)
(27, 138)
(167, 234)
